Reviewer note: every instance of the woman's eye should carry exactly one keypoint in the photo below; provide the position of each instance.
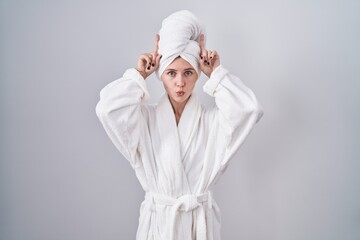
(171, 74)
(188, 73)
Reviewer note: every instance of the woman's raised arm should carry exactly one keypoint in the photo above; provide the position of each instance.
(119, 108)
(237, 108)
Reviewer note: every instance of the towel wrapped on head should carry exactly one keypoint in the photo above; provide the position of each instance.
(179, 36)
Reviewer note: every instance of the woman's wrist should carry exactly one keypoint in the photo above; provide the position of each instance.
(144, 75)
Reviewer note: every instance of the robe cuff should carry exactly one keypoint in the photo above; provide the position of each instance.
(132, 73)
(216, 76)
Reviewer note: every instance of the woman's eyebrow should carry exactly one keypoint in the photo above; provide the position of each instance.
(186, 69)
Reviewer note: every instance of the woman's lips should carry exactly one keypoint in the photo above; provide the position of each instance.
(180, 93)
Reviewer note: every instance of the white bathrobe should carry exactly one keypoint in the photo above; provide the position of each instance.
(178, 165)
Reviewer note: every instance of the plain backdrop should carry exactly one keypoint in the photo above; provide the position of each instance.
(297, 177)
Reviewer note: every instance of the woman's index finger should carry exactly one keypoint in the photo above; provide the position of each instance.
(202, 42)
(156, 47)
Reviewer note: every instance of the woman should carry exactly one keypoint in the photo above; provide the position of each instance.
(178, 148)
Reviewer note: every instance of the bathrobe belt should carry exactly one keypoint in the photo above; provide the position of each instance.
(186, 203)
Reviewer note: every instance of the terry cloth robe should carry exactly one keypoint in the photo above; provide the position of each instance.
(178, 165)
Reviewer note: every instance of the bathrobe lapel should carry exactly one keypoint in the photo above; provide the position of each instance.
(172, 178)
(174, 143)
(189, 123)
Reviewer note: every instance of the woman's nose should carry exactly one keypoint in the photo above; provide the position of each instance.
(180, 82)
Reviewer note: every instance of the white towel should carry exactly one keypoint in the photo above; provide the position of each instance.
(179, 36)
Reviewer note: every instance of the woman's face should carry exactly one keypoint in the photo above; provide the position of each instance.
(179, 80)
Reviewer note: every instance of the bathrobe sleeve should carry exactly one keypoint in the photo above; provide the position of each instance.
(120, 111)
(237, 109)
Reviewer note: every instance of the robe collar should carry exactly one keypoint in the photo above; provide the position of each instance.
(176, 139)
(188, 123)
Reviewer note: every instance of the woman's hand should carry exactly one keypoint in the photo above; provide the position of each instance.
(209, 59)
(149, 62)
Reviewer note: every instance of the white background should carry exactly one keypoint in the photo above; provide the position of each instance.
(296, 177)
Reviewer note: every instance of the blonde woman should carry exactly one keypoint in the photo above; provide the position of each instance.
(178, 148)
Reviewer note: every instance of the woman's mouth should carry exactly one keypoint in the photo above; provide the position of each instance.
(180, 93)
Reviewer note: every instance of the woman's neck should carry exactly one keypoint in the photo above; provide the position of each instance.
(178, 108)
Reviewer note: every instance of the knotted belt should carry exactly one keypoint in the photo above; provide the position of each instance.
(185, 203)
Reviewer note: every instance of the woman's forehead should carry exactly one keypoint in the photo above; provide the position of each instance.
(179, 64)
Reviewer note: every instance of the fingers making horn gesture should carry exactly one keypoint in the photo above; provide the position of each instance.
(149, 62)
(209, 60)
